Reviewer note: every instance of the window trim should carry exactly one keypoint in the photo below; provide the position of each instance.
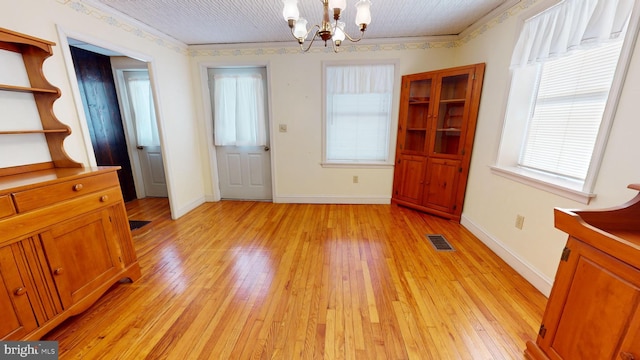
(582, 193)
(393, 117)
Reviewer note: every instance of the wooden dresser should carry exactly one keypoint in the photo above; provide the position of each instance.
(64, 240)
(64, 232)
(594, 307)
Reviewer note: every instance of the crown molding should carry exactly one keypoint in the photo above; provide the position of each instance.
(112, 17)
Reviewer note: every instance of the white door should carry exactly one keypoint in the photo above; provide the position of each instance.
(241, 132)
(140, 112)
(155, 184)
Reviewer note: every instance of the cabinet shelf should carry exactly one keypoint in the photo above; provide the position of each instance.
(449, 130)
(26, 89)
(21, 132)
(449, 101)
(418, 100)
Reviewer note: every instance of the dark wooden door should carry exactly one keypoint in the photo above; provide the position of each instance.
(100, 101)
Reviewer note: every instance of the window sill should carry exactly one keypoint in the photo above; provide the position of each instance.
(356, 165)
(555, 185)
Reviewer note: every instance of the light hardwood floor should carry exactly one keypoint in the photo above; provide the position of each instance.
(243, 280)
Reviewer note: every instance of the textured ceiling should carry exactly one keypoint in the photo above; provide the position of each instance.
(255, 21)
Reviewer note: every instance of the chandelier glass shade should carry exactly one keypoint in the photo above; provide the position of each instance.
(332, 31)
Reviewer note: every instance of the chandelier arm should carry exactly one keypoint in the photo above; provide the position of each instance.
(352, 39)
(307, 34)
(311, 43)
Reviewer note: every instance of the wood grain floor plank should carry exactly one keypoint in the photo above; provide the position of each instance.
(257, 280)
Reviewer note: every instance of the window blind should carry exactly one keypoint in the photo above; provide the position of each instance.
(564, 124)
(358, 127)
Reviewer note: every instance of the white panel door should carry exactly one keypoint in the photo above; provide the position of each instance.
(155, 184)
(244, 172)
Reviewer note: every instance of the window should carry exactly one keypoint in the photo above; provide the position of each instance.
(358, 102)
(563, 93)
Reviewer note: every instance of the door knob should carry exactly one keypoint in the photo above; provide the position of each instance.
(266, 148)
(140, 147)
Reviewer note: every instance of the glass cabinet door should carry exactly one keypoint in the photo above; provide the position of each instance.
(451, 111)
(417, 116)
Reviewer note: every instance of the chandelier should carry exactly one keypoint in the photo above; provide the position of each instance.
(327, 30)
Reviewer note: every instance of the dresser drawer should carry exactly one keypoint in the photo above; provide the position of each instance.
(43, 196)
(6, 206)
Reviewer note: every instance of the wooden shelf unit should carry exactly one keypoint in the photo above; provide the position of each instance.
(436, 127)
(34, 52)
(64, 232)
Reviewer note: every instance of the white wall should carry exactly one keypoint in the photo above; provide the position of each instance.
(492, 202)
(170, 70)
(296, 100)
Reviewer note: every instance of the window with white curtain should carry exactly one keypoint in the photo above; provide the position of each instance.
(239, 115)
(563, 95)
(140, 100)
(358, 113)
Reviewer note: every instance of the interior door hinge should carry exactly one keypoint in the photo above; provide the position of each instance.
(543, 331)
(565, 254)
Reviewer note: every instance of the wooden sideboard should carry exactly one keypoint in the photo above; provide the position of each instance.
(593, 311)
(64, 232)
(64, 240)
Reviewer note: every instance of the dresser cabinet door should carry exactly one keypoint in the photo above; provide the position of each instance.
(593, 312)
(409, 175)
(16, 316)
(83, 255)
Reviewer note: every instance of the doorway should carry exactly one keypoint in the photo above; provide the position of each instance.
(241, 132)
(105, 102)
(138, 111)
(97, 89)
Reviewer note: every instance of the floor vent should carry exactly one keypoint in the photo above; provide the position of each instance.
(440, 243)
(136, 224)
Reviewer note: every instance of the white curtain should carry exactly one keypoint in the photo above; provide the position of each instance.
(141, 103)
(360, 79)
(239, 110)
(570, 25)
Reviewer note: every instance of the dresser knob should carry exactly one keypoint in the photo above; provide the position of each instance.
(20, 291)
(58, 271)
(626, 356)
(104, 198)
(77, 187)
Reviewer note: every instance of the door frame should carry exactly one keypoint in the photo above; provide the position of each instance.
(113, 50)
(208, 117)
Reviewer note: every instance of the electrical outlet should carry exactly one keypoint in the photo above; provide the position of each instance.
(519, 221)
(355, 179)
(283, 127)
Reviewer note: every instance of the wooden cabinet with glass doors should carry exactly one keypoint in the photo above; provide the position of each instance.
(438, 112)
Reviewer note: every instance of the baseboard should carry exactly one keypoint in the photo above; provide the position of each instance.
(183, 210)
(332, 199)
(526, 270)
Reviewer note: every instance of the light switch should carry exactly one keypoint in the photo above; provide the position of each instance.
(283, 127)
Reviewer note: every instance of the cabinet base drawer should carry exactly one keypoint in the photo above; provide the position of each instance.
(40, 197)
(6, 206)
